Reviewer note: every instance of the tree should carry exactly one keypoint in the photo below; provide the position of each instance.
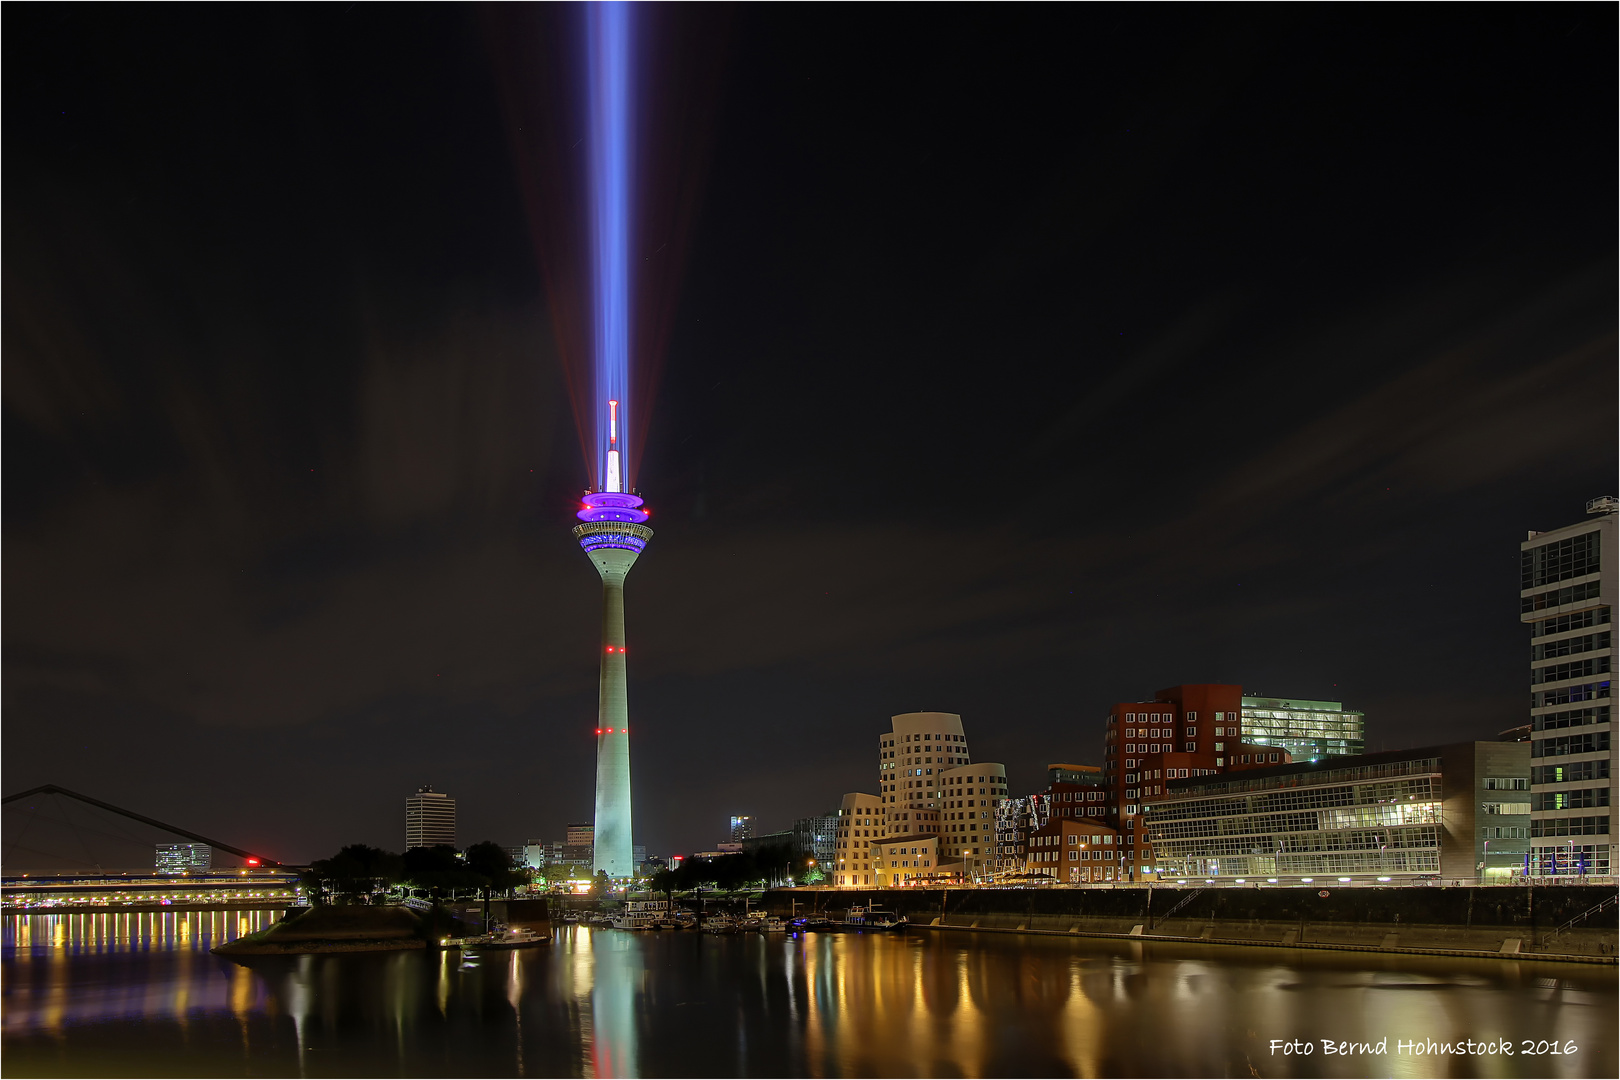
(355, 875)
(439, 870)
(602, 887)
(490, 861)
(664, 881)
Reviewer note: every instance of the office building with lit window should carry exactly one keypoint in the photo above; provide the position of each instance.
(1193, 730)
(183, 858)
(913, 859)
(1567, 584)
(1308, 730)
(579, 844)
(859, 828)
(1459, 814)
(817, 837)
(430, 819)
(742, 827)
(914, 757)
(1075, 851)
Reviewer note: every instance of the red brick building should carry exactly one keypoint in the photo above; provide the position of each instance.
(1191, 730)
(1075, 852)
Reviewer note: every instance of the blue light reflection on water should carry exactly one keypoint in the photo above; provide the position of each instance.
(143, 997)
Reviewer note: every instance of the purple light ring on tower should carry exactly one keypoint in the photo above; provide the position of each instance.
(612, 506)
(604, 534)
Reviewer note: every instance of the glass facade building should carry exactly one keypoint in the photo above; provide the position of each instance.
(1309, 730)
(1457, 813)
(1566, 598)
(183, 858)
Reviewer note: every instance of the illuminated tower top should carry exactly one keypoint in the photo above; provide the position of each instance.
(613, 517)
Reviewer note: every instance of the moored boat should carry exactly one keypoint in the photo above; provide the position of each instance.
(870, 918)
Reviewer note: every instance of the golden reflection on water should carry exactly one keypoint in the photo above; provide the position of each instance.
(610, 1003)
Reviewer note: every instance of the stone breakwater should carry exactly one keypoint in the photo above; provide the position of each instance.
(334, 930)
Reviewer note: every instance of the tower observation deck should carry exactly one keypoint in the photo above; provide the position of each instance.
(613, 534)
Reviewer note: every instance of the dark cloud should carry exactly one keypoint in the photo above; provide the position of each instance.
(1014, 372)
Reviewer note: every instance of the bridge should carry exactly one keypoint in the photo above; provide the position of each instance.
(99, 839)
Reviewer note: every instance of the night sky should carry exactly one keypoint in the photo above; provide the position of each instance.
(1009, 361)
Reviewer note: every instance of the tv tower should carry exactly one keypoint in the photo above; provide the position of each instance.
(613, 534)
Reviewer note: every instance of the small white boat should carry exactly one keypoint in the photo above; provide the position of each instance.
(869, 918)
(774, 925)
(502, 937)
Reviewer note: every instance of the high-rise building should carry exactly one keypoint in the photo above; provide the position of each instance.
(1185, 731)
(931, 789)
(430, 819)
(613, 534)
(913, 759)
(538, 854)
(817, 837)
(742, 827)
(1567, 584)
(1309, 730)
(182, 858)
(580, 845)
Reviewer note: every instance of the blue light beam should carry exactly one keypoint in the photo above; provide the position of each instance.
(608, 46)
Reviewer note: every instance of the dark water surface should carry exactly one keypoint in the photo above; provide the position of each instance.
(130, 995)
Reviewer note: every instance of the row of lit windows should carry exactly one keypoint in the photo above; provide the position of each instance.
(1575, 771)
(1314, 777)
(1306, 866)
(1384, 815)
(1573, 799)
(1579, 620)
(1401, 791)
(1294, 844)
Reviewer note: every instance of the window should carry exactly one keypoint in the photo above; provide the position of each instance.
(1192, 733)
(1571, 718)
(1576, 669)
(1574, 556)
(1589, 743)
(1507, 783)
(1564, 695)
(1558, 597)
(1579, 620)
(1570, 646)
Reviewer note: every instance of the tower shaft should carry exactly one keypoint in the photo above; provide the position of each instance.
(613, 536)
(613, 834)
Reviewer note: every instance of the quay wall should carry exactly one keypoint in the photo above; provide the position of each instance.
(1485, 919)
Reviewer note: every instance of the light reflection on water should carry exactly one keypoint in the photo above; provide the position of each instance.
(137, 994)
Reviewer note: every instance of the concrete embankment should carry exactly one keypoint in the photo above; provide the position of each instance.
(1471, 921)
